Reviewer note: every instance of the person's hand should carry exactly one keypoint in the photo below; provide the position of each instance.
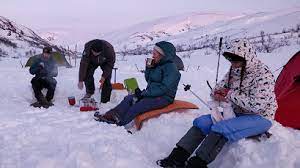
(138, 93)
(41, 64)
(101, 81)
(217, 115)
(222, 91)
(220, 95)
(80, 85)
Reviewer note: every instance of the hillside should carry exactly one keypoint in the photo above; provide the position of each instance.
(17, 40)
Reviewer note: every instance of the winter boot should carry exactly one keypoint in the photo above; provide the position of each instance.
(109, 117)
(36, 104)
(196, 162)
(47, 104)
(176, 159)
(87, 95)
(211, 147)
(43, 101)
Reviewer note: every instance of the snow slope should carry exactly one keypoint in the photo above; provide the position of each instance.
(17, 40)
(192, 27)
(63, 137)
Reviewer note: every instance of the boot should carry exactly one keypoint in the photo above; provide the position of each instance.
(87, 95)
(41, 102)
(109, 117)
(196, 162)
(47, 104)
(211, 147)
(36, 104)
(176, 159)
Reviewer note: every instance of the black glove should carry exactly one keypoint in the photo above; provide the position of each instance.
(138, 93)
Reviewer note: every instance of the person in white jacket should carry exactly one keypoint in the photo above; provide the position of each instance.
(248, 88)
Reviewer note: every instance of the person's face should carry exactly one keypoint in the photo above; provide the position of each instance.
(46, 55)
(95, 53)
(236, 64)
(156, 56)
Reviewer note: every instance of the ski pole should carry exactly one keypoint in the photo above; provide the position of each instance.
(219, 55)
(188, 88)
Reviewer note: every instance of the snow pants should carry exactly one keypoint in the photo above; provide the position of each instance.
(90, 85)
(127, 110)
(39, 83)
(236, 128)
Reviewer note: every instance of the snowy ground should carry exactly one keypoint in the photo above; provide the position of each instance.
(63, 137)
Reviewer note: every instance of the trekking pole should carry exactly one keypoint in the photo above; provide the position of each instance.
(219, 55)
(188, 88)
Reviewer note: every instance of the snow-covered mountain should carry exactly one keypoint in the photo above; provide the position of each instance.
(17, 40)
(148, 32)
(192, 27)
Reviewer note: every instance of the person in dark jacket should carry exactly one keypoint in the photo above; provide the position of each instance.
(162, 78)
(44, 68)
(97, 53)
(249, 88)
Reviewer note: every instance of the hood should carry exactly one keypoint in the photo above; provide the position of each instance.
(168, 49)
(243, 48)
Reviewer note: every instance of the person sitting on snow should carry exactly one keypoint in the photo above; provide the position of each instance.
(249, 88)
(162, 78)
(45, 69)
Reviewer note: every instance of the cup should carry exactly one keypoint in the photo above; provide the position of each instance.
(149, 62)
(71, 100)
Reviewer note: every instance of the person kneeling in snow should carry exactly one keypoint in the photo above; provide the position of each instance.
(249, 88)
(45, 69)
(162, 78)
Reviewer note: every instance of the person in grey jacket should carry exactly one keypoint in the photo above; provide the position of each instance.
(44, 68)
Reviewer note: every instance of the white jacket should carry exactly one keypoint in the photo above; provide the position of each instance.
(256, 94)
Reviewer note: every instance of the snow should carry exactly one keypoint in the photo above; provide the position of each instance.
(63, 137)
(190, 28)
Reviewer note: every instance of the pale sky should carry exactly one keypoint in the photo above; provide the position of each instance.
(105, 16)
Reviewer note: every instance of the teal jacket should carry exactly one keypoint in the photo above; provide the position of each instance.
(163, 78)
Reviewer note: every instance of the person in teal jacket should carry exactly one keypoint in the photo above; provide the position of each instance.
(162, 78)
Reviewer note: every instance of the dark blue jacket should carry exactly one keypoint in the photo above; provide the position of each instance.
(164, 77)
(49, 69)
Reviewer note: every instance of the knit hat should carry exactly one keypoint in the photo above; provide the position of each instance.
(158, 49)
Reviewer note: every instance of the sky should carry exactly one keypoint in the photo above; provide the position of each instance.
(90, 17)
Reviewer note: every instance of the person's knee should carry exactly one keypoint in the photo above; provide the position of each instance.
(34, 81)
(204, 123)
(264, 124)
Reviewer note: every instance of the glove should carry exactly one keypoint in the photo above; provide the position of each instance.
(138, 93)
(223, 92)
(220, 95)
(41, 64)
(42, 72)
